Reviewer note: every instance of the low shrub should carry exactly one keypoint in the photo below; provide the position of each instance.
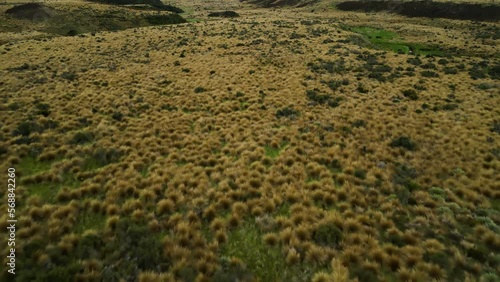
(25, 128)
(287, 112)
(82, 137)
(327, 234)
(199, 89)
(165, 19)
(404, 142)
(410, 94)
(42, 109)
(428, 73)
(224, 14)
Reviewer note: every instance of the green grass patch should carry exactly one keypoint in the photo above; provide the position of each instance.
(101, 157)
(387, 40)
(181, 163)
(46, 191)
(283, 209)
(264, 262)
(311, 179)
(194, 20)
(89, 220)
(274, 152)
(495, 204)
(30, 165)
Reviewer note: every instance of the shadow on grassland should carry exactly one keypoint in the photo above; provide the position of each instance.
(428, 9)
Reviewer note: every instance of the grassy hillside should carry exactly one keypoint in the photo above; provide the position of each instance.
(281, 145)
(74, 19)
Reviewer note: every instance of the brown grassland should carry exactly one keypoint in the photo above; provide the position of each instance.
(288, 144)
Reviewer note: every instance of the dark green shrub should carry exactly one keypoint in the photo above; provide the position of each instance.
(327, 235)
(71, 76)
(360, 173)
(334, 165)
(414, 61)
(169, 108)
(489, 277)
(362, 89)
(287, 112)
(403, 194)
(428, 66)
(165, 19)
(199, 89)
(107, 156)
(404, 142)
(316, 97)
(449, 107)
(333, 84)
(420, 87)
(3, 149)
(443, 61)
(25, 128)
(89, 245)
(477, 72)
(337, 66)
(359, 123)
(449, 70)
(438, 258)
(410, 94)
(229, 272)
(118, 116)
(72, 32)
(295, 35)
(396, 240)
(333, 103)
(84, 121)
(102, 157)
(494, 72)
(224, 14)
(404, 175)
(429, 74)
(82, 137)
(64, 272)
(486, 86)
(14, 106)
(135, 242)
(362, 274)
(495, 127)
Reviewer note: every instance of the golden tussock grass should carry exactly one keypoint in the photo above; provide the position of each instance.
(197, 167)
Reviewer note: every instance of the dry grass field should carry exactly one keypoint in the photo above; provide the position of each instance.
(288, 144)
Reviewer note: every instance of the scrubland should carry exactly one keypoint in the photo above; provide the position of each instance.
(282, 145)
